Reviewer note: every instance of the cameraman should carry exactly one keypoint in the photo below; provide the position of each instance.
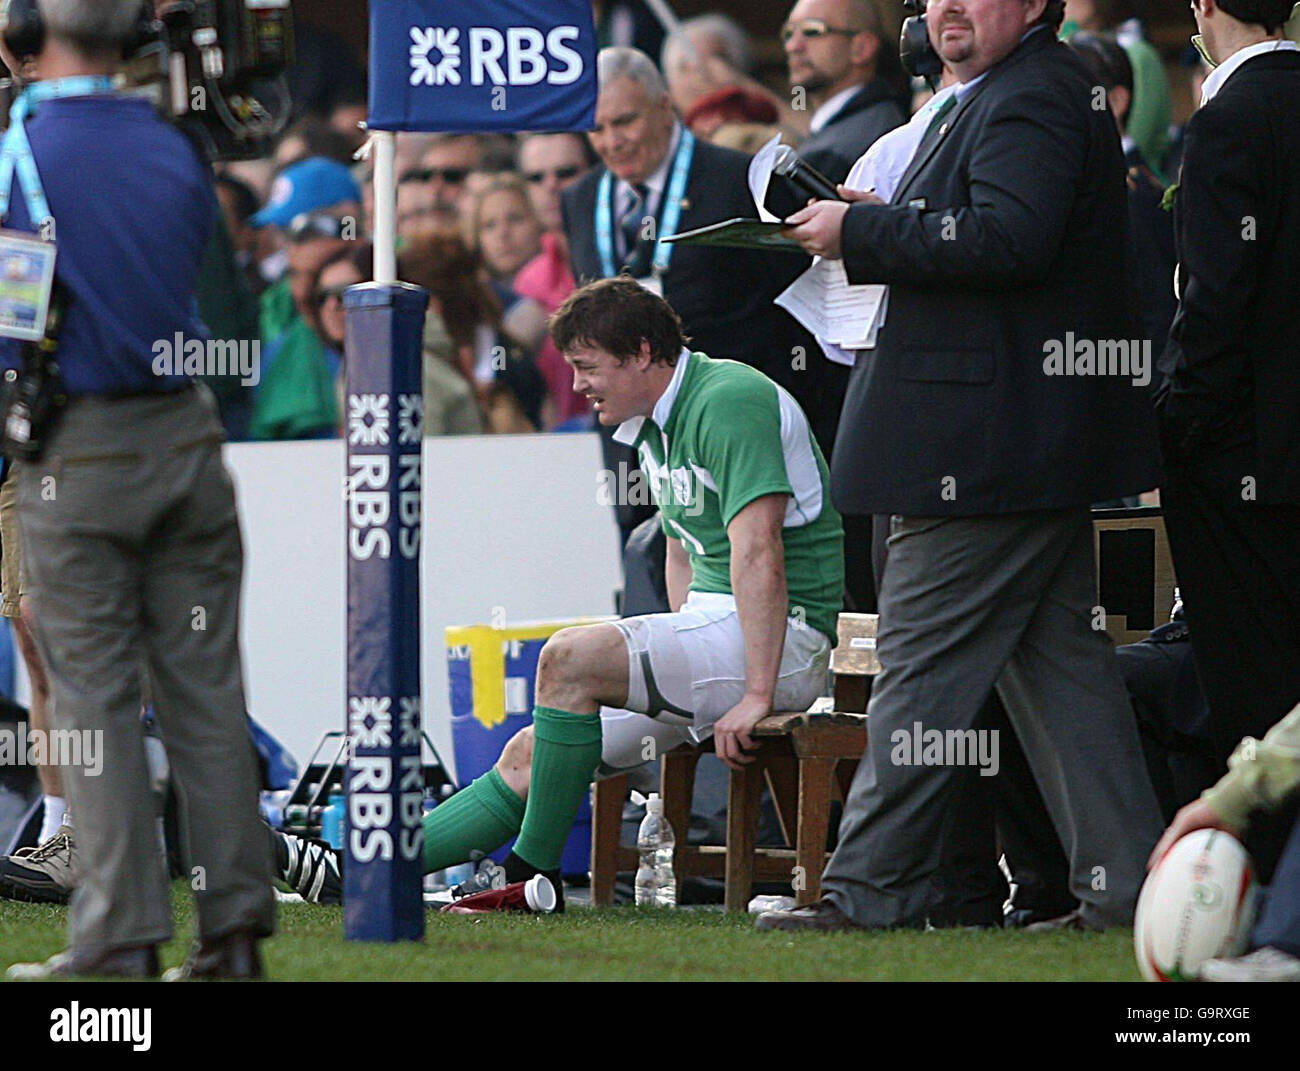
(130, 536)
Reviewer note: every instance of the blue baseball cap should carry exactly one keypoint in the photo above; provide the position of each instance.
(306, 186)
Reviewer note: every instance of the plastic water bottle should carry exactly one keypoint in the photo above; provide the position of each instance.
(655, 884)
(331, 830)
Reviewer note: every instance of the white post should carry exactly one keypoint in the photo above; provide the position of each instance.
(385, 149)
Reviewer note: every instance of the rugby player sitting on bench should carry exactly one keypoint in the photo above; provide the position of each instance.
(755, 578)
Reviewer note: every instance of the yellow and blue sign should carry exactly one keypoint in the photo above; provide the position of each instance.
(491, 673)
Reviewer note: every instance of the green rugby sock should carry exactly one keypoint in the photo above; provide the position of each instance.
(480, 817)
(566, 752)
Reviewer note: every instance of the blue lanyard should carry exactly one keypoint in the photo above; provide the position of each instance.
(16, 151)
(670, 216)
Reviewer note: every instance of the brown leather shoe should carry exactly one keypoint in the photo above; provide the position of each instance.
(233, 956)
(822, 916)
(140, 961)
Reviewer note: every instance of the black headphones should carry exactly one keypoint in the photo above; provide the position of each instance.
(24, 29)
(918, 56)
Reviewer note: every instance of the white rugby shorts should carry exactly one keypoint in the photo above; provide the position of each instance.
(686, 670)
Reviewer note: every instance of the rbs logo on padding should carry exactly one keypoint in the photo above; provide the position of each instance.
(521, 56)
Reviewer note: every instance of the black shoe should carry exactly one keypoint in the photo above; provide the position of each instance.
(234, 956)
(310, 867)
(520, 870)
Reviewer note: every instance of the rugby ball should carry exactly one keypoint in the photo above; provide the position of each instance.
(1197, 904)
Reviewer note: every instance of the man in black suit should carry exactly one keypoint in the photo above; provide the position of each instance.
(981, 424)
(841, 59)
(1229, 405)
(658, 179)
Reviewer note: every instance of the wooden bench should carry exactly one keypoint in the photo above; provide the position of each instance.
(805, 760)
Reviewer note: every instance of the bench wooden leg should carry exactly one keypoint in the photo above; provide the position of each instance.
(677, 790)
(814, 823)
(608, 797)
(783, 782)
(742, 834)
(845, 770)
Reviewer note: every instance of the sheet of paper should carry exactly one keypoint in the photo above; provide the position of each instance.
(760, 176)
(823, 300)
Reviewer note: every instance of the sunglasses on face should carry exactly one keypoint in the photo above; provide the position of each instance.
(308, 226)
(322, 296)
(453, 176)
(563, 174)
(812, 29)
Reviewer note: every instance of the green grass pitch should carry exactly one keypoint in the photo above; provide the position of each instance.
(625, 943)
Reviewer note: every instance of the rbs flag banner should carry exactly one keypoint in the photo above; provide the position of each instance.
(482, 65)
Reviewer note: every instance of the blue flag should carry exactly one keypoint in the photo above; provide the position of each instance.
(482, 65)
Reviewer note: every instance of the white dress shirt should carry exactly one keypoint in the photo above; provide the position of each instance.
(830, 109)
(1215, 79)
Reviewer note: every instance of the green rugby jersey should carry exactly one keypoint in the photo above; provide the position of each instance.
(722, 435)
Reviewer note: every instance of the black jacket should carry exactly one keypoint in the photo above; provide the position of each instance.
(1231, 362)
(873, 110)
(1153, 244)
(1006, 237)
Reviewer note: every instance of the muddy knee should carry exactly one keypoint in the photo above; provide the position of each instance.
(516, 761)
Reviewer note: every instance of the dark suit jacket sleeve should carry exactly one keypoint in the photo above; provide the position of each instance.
(1024, 167)
(1220, 196)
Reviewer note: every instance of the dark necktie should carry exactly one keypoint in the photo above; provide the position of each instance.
(630, 224)
(939, 113)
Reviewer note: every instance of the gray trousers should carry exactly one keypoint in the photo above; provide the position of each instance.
(134, 559)
(969, 604)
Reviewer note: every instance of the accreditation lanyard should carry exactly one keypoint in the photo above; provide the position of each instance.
(670, 216)
(16, 150)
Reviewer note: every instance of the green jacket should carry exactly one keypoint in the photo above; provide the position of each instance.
(296, 397)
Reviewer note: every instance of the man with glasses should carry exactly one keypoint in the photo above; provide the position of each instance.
(315, 185)
(550, 164)
(840, 56)
(443, 171)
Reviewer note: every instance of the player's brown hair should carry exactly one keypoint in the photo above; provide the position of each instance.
(616, 315)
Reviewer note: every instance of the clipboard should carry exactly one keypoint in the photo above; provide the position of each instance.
(739, 233)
